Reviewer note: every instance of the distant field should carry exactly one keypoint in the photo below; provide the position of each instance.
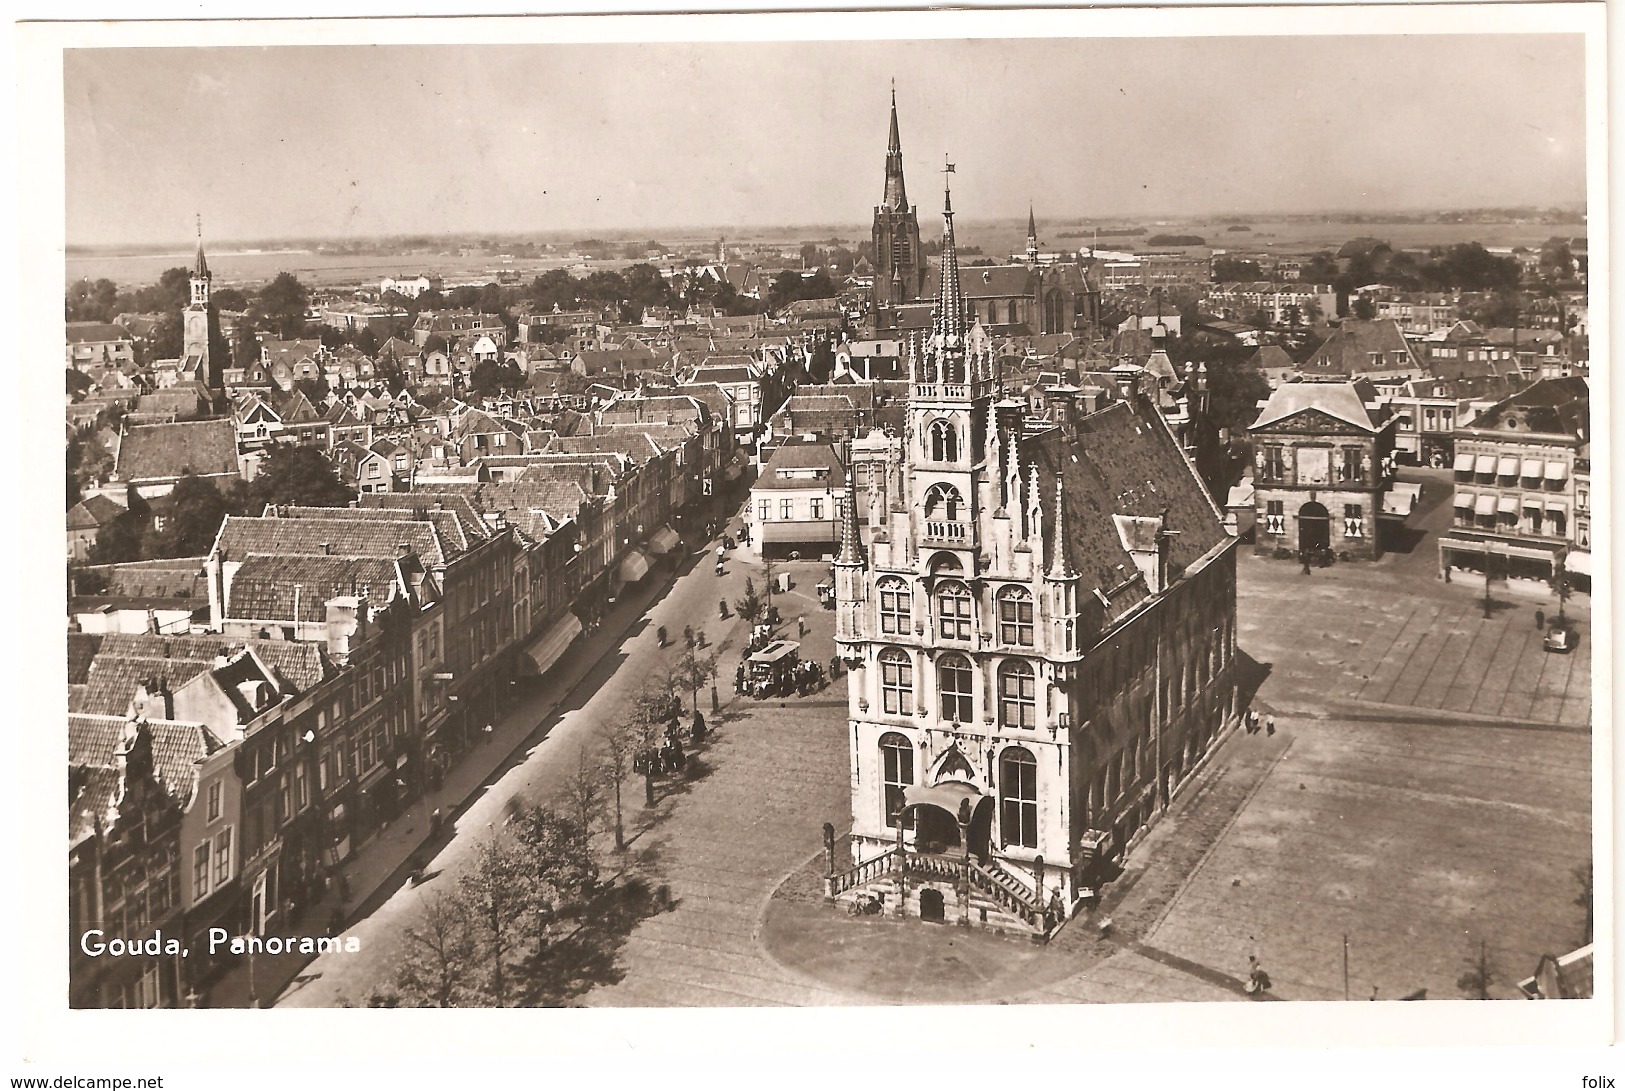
(995, 239)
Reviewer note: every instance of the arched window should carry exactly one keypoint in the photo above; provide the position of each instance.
(896, 682)
(1018, 798)
(896, 604)
(1016, 616)
(954, 686)
(1012, 312)
(942, 502)
(1018, 695)
(944, 446)
(897, 773)
(953, 610)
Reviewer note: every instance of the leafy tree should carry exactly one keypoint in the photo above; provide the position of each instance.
(1364, 308)
(228, 299)
(558, 850)
(196, 511)
(499, 897)
(750, 608)
(283, 303)
(692, 672)
(78, 383)
(119, 540)
(1236, 269)
(491, 377)
(247, 345)
(621, 743)
(168, 338)
(315, 388)
(438, 955)
(1293, 315)
(366, 341)
(89, 301)
(299, 474)
(1480, 974)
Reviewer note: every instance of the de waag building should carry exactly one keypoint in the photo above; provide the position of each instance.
(1040, 633)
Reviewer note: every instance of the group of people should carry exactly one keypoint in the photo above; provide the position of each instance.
(1252, 722)
(669, 756)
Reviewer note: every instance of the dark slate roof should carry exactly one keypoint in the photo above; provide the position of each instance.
(983, 281)
(263, 588)
(1559, 406)
(364, 536)
(1121, 463)
(155, 451)
(82, 648)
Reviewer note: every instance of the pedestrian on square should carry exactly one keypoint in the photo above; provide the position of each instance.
(1540, 618)
(1446, 573)
(739, 678)
(1269, 725)
(1303, 555)
(801, 626)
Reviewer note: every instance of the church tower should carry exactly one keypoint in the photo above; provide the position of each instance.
(1032, 239)
(197, 322)
(899, 265)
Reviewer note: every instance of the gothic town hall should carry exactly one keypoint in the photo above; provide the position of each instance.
(1040, 632)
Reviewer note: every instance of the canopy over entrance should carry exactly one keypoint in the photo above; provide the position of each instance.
(663, 541)
(947, 796)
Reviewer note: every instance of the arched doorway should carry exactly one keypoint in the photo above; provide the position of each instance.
(1314, 527)
(980, 832)
(934, 829)
(932, 905)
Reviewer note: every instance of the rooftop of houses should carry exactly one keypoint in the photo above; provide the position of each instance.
(802, 466)
(1550, 406)
(155, 452)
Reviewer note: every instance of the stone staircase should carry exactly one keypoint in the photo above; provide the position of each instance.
(997, 899)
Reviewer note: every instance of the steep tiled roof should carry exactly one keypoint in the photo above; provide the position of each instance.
(156, 451)
(175, 578)
(457, 521)
(93, 743)
(299, 663)
(790, 457)
(92, 512)
(83, 332)
(1122, 462)
(352, 536)
(263, 588)
(633, 444)
(1348, 350)
(978, 282)
(113, 678)
(82, 648)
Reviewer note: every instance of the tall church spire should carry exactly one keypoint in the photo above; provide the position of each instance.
(1032, 237)
(200, 267)
(950, 316)
(896, 197)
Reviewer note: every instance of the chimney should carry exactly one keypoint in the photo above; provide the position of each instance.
(341, 626)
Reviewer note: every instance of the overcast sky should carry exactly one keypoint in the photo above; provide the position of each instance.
(341, 140)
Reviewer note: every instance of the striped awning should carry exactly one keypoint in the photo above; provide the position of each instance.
(1464, 463)
(1485, 505)
(1507, 504)
(1533, 503)
(1557, 471)
(1485, 464)
(1508, 466)
(1534, 468)
(1558, 505)
(1465, 499)
(663, 541)
(634, 566)
(553, 643)
(1579, 561)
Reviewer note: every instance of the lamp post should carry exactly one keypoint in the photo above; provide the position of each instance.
(1489, 563)
(716, 703)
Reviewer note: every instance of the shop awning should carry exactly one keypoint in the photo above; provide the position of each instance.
(663, 541)
(634, 566)
(552, 644)
(1465, 499)
(733, 471)
(1464, 463)
(1507, 504)
(1485, 464)
(1508, 466)
(1557, 471)
(947, 795)
(1500, 547)
(1578, 562)
(1485, 505)
(1534, 468)
(1533, 503)
(1557, 505)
